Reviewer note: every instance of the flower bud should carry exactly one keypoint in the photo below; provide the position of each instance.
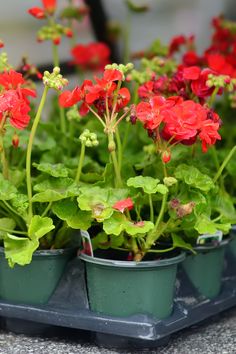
(166, 156)
(15, 140)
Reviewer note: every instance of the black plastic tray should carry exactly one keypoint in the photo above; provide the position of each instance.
(68, 307)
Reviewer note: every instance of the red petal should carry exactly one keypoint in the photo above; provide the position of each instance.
(37, 12)
(123, 204)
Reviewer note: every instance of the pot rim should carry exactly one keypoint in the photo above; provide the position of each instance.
(132, 264)
(212, 247)
(48, 253)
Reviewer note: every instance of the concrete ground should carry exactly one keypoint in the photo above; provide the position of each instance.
(215, 336)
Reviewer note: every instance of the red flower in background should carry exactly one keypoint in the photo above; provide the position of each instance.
(49, 7)
(93, 56)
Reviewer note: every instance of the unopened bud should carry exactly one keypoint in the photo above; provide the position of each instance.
(15, 140)
(166, 156)
(111, 146)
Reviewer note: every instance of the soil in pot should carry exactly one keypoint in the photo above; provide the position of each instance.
(124, 288)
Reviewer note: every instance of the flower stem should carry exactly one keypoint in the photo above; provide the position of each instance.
(3, 158)
(29, 151)
(151, 208)
(213, 96)
(47, 209)
(13, 231)
(80, 165)
(119, 148)
(55, 55)
(224, 163)
(111, 149)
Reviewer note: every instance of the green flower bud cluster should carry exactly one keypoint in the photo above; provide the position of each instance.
(89, 139)
(159, 65)
(73, 113)
(157, 48)
(124, 69)
(140, 76)
(4, 65)
(221, 81)
(51, 32)
(54, 80)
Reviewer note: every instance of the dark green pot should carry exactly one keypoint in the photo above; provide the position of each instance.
(35, 282)
(205, 269)
(232, 244)
(125, 288)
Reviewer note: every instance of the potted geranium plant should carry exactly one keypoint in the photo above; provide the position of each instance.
(146, 202)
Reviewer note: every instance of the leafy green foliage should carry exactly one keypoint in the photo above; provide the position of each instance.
(55, 170)
(54, 189)
(20, 249)
(75, 218)
(193, 177)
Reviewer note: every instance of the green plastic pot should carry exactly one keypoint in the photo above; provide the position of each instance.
(204, 269)
(125, 288)
(35, 282)
(232, 244)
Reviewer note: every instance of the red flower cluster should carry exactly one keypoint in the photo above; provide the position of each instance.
(98, 94)
(185, 82)
(93, 56)
(14, 103)
(180, 121)
(221, 54)
(49, 7)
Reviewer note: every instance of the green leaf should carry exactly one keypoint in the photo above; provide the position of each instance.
(39, 226)
(7, 190)
(115, 224)
(6, 223)
(148, 184)
(55, 170)
(118, 223)
(162, 189)
(100, 200)
(193, 177)
(19, 250)
(138, 228)
(55, 189)
(20, 204)
(206, 226)
(180, 243)
(75, 218)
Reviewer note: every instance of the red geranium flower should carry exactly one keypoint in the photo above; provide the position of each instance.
(123, 204)
(49, 7)
(14, 103)
(70, 98)
(93, 56)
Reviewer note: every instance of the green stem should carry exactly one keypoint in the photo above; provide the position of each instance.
(213, 96)
(217, 164)
(151, 208)
(55, 55)
(116, 169)
(3, 158)
(161, 251)
(47, 209)
(119, 148)
(223, 165)
(13, 231)
(29, 151)
(62, 119)
(81, 162)
(126, 134)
